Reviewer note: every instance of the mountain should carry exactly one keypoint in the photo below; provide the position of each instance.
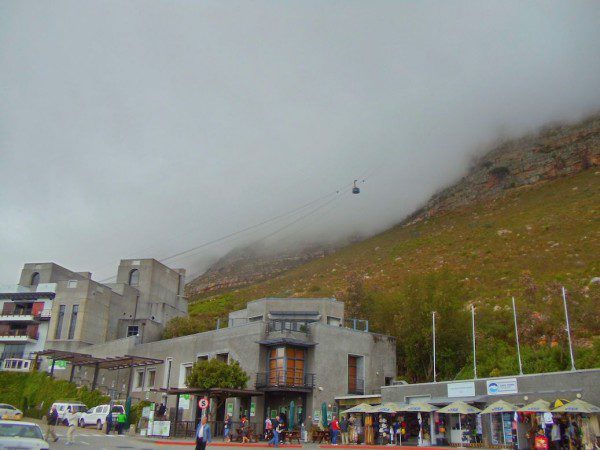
(523, 222)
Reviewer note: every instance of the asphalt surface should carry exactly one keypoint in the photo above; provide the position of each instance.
(87, 438)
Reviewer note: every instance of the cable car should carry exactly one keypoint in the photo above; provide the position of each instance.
(355, 189)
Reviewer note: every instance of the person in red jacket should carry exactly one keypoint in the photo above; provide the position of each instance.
(335, 430)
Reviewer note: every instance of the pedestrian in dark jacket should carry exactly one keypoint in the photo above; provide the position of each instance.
(109, 422)
(52, 421)
(203, 435)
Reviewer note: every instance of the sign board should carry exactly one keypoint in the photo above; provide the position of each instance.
(252, 409)
(230, 408)
(462, 389)
(203, 403)
(329, 416)
(146, 411)
(161, 428)
(151, 420)
(317, 416)
(502, 386)
(184, 401)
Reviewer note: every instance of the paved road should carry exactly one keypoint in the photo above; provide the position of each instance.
(94, 440)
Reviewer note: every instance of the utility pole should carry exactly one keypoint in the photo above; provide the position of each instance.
(474, 353)
(564, 296)
(433, 329)
(517, 336)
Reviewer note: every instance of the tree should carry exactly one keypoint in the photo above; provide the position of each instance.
(214, 373)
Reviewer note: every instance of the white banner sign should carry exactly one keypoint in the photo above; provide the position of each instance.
(161, 428)
(462, 389)
(502, 386)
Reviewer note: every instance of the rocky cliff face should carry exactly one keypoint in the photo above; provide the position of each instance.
(554, 152)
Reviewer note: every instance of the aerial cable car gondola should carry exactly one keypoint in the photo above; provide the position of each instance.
(355, 189)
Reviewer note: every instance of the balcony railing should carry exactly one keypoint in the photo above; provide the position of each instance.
(285, 379)
(357, 387)
(28, 334)
(287, 325)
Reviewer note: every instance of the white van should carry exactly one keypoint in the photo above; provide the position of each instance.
(62, 407)
(97, 416)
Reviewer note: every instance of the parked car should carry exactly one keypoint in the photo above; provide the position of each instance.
(22, 435)
(9, 412)
(97, 416)
(62, 407)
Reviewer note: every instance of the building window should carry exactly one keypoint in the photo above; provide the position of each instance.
(134, 277)
(334, 321)
(133, 330)
(222, 357)
(59, 321)
(139, 379)
(255, 319)
(202, 358)
(151, 378)
(73, 323)
(72, 284)
(35, 278)
(286, 366)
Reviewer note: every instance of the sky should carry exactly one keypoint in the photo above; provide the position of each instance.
(133, 129)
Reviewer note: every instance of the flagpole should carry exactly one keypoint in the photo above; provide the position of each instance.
(474, 353)
(517, 336)
(564, 296)
(433, 328)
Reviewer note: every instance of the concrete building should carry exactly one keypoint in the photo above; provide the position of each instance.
(78, 312)
(292, 348)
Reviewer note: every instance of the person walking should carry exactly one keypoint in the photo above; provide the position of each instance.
(276, 430)
(203, 435)
(52, 421)
(121, 419)
(344, 430)
(109, 421)
(268, 429)
(227, 428)
(335, 430)
(71, 422)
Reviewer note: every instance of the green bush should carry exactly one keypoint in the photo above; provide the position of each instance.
(34, 392)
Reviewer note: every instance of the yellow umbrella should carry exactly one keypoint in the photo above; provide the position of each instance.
(499, 407)
(418, 407)
(459, 408)
(539, 406)
(388, 407)
(362, 408)
(578, 406)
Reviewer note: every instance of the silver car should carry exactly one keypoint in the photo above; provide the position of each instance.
(21, 436)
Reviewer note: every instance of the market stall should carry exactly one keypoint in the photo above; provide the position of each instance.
(431, 429)
(583, 427)
(462, 430)
(359, 417)
(502, 423)
(531, 419)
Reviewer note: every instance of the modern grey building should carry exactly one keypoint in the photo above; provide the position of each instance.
(56, 308)
(294, 349)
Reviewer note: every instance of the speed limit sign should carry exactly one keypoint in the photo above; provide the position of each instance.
(203, 403)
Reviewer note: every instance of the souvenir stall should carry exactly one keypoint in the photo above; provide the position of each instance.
(462, 424)
(359, 415)
(384, 422)
(502, 424)
(531, 419)
(431, 429)
(583, 428)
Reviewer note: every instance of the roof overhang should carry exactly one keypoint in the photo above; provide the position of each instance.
(26, 295)
(212, 392)
(286, 341)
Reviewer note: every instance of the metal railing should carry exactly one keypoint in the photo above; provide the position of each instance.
(287, 325)
(32, 334)
(286, 379)
(187, 428)
(357, 388)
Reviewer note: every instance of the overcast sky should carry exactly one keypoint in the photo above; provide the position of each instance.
(145, 128)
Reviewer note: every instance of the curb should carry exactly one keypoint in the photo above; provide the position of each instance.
(224, 444)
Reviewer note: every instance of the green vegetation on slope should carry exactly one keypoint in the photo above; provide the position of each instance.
(34, 392)
(526, 244)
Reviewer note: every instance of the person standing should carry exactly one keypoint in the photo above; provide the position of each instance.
(335, 430)
(227, 428)
(344, 430)
(203, 435)
(276, 429)
(121, 419)
(71, 422)
(52, 420)
(109, 421)
(268, 429)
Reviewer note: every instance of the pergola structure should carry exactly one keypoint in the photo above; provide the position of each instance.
(221, 394)
(109, 363)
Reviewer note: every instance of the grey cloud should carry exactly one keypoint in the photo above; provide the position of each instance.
(146, 128)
